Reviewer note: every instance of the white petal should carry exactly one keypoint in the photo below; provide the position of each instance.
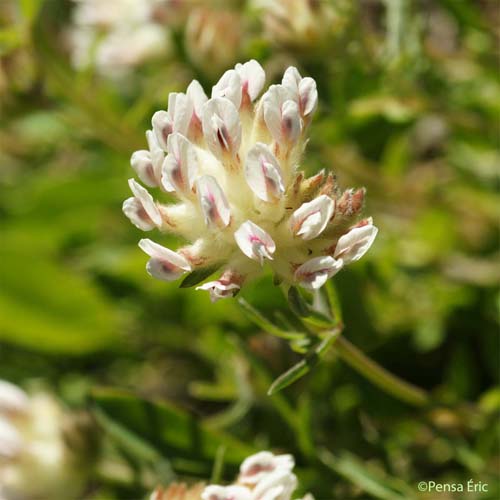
(304, 90)
(219, 290)
(157, 153)
(213, 202)
(181, 164)
(146, 201)
(162, 127)
(308, 96)
(229, 86)
(290, 121)
(134, 210)
(164, 264)
(353, 245)
(180, 109)
(311, 218)
(252, 78)
(255, 467)
(281, 114)
(254, 242)
(12, 398)
(277, 485)
(314, 272)
(11, 442)
(291, 79)
(263, 173)
(142, 163)
(221, 127)
(215, 492)
(197, 96)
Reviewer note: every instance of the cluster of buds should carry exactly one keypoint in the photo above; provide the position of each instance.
(263, 476)
(117, 36)
(36, 459)
(232, 162)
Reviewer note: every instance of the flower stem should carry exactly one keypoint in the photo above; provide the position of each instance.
(379, 376)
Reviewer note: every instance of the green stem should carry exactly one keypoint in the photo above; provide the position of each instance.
(380, 376)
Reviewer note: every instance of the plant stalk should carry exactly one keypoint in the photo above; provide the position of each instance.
(379, 376)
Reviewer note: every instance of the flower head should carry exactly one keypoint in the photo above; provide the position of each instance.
(36, 459)
(232, 161)
(116, 36)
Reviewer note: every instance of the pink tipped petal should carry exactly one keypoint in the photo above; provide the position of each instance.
(254, 242)
(181, 164)
(213, 202)
(215, 492)
(263, 173)
(164, 263)
(304, 90)
(290, 121)
(252, 78)
(146, 200)
(229, 86)
(254, 468)
(281, 114)
(219, 290)
(135, 212)
(142, 163)
(354, 244)
(197, 96)
(308, 96)
(12, 398)
(311, 218)
(314, 273)
(221, 127)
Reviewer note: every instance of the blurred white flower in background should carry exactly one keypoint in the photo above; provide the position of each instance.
(36, 458)
(117, 35)
(213, 37)
(242, 200)
(297, 23)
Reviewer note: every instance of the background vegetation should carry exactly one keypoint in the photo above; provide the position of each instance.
(409, 107)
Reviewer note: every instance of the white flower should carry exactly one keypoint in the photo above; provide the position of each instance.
(278, 485)
(263, 476)
(298, 24)
(232, 161)
(353, 245)
(256, 467)
(311, 219)
(116, 36)
(215, 492)
(35, 461)
(164, 264)
(314, 272)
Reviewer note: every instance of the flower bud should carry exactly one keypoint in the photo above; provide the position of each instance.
(164, 264)
(254, 242)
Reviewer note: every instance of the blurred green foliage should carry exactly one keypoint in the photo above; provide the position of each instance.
(409, 107)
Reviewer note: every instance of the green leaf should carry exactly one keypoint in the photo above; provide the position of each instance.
(354, 470)
(265, 324)
(305, 365)
(198, 276)
(51, 308)
(169, 431)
